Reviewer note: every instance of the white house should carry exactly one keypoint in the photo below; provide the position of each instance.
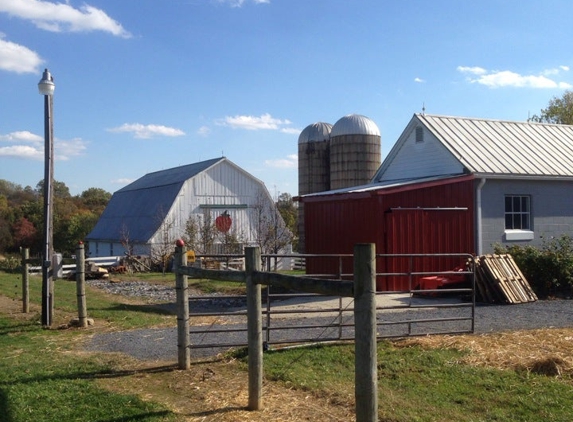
(523, 173)
(156, 208)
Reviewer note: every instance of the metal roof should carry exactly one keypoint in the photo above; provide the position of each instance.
(387, 184)
(316, 132)
(354, 124)
(138, 208)
(497, 147)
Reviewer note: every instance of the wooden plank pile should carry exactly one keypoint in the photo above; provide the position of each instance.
(499, 280)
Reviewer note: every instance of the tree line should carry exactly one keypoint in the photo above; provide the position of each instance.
(22, 218)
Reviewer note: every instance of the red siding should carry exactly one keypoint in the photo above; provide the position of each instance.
(385, 217)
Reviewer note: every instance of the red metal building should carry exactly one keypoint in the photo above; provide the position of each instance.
(429, 216)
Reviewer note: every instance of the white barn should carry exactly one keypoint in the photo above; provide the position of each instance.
(156, 207)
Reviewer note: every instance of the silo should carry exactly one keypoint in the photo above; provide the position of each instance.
(313, 167)
(354, 151)
(314, 158)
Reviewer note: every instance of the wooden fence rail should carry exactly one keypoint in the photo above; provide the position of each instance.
(363, 289)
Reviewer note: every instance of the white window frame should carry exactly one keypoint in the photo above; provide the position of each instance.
(523, 231)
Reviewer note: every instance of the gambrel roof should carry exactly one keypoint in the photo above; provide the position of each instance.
(141, 204)
(484, 147)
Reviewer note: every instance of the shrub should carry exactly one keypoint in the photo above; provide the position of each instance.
(549, 268)
(10, 264)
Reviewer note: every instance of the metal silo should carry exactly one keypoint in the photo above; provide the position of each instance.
(313, 166)
(354, 151)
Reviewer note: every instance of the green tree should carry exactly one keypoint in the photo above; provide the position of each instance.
(558, 111)
(95, 199)
(288, 211)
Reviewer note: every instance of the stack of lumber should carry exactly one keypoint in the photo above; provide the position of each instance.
(499, 280)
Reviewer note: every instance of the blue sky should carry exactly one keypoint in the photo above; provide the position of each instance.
(146, 85)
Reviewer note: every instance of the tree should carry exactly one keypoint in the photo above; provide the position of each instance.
(95, 199)
(272, 234)
(289, 213)
(25, 234)
(558, 111)
(60, 189)
(162, 248)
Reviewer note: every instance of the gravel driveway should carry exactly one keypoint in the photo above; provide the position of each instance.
(161, 343)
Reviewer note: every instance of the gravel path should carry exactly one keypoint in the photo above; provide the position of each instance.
(161, 343)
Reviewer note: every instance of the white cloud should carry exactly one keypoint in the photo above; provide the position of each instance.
(122, 181)
(473, 70)
(147, 131)
(291, 161)
(204, 131)
(240, 3)
(29, 146)
(265, 121)
(17, 58)
(62, 17)
(291, 130)
(65, 150)
(507, 78)
(22, 151)
(23, 136)
(419, 80)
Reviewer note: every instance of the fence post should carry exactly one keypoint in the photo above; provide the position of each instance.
(25, 281)
(81, 285)
(182, 298)
(366, 370)
(254, 328)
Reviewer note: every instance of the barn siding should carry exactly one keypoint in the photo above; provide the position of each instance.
(411, 159)
(221, 185)
(334, 224)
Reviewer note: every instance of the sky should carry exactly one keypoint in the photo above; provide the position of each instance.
(147, 85)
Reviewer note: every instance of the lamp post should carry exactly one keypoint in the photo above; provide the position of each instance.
(46, 87)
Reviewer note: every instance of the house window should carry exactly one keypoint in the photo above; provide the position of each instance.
(419, 134)
(517, 212)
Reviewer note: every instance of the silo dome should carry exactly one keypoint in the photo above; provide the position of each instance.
(354, 124)
(355, 152)
(316, 132)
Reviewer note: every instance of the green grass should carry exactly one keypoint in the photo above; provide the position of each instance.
(43, 379)
(121, 312)
(39, 381)
(417, 384)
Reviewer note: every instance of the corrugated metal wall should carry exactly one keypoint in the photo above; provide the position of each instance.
(390, 218)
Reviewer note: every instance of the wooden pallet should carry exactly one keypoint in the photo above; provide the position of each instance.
(499, 280)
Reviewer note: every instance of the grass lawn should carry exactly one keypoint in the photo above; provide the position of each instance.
(45, 375)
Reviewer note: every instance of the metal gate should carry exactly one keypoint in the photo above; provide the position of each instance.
(300, 319)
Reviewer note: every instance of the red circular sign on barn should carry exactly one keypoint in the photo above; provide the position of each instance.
(223, 222)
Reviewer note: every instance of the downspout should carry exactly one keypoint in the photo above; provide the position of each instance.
(479, 228)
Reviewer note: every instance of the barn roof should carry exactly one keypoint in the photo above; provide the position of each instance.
(383, 187)
(497, 147)
(137, 210)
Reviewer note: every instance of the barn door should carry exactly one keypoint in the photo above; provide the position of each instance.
(424, 231)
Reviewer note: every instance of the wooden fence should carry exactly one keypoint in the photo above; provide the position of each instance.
(362, 289)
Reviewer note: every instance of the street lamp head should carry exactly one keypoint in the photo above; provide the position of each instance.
(46, 86)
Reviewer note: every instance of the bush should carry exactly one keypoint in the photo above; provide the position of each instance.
(548, 269)
(10, 264)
